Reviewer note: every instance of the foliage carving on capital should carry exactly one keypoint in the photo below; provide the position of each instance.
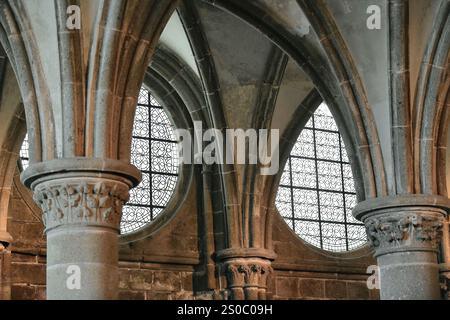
(236, 275)
(96, 203)
(241, 274)
(403, 230)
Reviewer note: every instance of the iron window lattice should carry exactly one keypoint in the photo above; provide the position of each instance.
(316, 193)
(154, 152)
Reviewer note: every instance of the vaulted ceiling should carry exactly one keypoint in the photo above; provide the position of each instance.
(321, 44)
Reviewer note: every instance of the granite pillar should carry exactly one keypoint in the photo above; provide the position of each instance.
(405, 232)
(81, 201)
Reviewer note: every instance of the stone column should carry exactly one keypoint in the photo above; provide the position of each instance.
(247, 272)
(405, 232)
(82, 204)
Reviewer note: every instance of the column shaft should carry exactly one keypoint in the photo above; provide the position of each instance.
(82, 263)
(409, 276)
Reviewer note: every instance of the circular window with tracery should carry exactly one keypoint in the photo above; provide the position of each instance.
(154, 152)
(316, 194)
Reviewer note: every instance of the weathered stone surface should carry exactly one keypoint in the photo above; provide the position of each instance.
(28, 273)
(335, 289)
(286, 287)
(312, 288)
(23, 292)
(166, 281)
(131, 295)
(187, 281)
(358, 291)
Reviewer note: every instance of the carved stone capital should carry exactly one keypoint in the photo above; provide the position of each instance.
(81, 191)
(87, 201)
(415, 229)
(235, 274)
(248, 273)
(403, 223)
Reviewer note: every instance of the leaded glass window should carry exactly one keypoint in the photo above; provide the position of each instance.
(316, 192)
(153, 151)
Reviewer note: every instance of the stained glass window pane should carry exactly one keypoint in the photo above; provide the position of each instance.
(317, 193)
(153, 151)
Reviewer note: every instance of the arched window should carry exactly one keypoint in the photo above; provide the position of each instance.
(154, 152)
(317, 193)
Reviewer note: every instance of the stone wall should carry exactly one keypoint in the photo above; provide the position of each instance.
(155, 282)
(27, 272)
(27, 277)
(163, 264)
(304, 272)
(314, 285)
